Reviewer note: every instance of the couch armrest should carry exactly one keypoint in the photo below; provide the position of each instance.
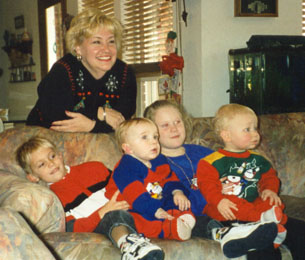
(294, 206)
(18, 241)
(36, 203)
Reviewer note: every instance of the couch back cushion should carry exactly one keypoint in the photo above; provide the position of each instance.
(75, 147)
(283, 142)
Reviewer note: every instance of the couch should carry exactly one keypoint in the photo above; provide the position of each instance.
(32, 219)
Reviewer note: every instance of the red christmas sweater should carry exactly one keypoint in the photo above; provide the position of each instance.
(81, 193)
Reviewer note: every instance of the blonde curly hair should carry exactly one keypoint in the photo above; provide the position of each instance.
(122, 130)
(86, 23)
(226, 113)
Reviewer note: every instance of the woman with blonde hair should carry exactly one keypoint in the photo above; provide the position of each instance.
(89, 89)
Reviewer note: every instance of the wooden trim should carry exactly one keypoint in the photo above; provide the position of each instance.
(146, 69)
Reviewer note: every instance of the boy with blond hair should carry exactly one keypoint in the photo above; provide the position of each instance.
(81, 190)
(254, 183)
(144, 179)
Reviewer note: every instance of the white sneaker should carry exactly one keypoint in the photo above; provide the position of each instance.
(238, 239)
(137, 247)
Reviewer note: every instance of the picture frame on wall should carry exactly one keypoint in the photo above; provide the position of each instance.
(256, 8)
(19, 22)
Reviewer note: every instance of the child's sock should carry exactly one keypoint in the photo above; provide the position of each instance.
(274, 214)
(188, 219)
(121, 240)
(281, 235)
(185, 224)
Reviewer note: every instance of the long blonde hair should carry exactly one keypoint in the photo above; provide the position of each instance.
(86, 23)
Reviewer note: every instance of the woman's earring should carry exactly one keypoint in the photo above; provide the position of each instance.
(79, 57)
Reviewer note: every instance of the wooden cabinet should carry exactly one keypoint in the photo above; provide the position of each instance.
(270, 80)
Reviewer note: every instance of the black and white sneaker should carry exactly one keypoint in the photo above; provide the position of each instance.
(137, 247)
(238, 239)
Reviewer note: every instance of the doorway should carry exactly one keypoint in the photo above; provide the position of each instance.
(51, 14)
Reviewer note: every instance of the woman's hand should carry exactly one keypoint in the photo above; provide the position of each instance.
(113, 117)
(77, 123)
(113, 204)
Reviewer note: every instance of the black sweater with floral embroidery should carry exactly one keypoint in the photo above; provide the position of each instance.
(70, 86)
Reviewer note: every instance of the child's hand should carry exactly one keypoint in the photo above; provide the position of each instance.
(224, 207)
(181, 200)
(273, 197)
(113, 205)
(162, 214)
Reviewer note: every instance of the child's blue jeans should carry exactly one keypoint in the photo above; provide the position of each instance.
(113, 219)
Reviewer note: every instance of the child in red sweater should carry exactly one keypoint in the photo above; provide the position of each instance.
(254, 182)
(145, 181)
(81, 190)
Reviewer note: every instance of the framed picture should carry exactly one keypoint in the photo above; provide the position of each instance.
(256, 8)
(19, 22)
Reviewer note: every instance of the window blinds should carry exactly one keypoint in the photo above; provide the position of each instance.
(107, 6)
(146, 24)
(303, 17)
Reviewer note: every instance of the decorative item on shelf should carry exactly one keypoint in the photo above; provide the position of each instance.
(170, 85)
(18, 49)
(4, 114)
(22, 73)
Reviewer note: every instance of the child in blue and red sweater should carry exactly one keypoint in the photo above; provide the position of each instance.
(144, 179)
(81, 190)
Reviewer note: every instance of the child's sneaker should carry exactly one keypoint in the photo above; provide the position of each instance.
(281, 236)
(185, 224)
(137, 247)
(237, 240)
(274, 214)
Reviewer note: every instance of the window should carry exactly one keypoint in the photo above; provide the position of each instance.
(146, 23)
(55, 43)
(50, 41)
(106, 5)
(147, 93)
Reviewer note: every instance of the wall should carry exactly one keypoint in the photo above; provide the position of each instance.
(211, 31)
(18, 97)
(216, 30)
